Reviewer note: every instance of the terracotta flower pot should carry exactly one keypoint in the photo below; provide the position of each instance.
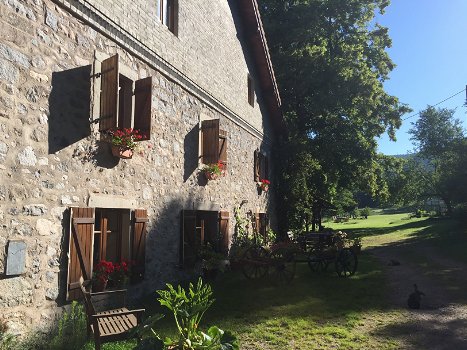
(211, 176)
(122, 152)
(99, 285)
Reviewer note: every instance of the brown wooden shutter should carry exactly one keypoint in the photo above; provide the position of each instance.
(109, 94)
(188, 241)
(265, 167)
(256, 224)
(210, 141)
(263, 225)
(138, 252)
(256, 166)
(143, 107)
(81, 249)
(223, 147)
(224, 231)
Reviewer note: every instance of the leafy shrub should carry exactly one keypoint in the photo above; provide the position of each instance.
(71, 329)
(188, 308)
(365, 212)
(7, 340)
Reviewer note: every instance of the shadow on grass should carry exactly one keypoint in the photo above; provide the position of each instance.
(241, 303)
(444, 333)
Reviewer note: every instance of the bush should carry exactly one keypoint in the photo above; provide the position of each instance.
(7, 340)
(71, 329)
(365, 212)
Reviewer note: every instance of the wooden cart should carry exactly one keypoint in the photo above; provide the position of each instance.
(319, 250)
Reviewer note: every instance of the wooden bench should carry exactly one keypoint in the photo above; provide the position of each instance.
(108, 319)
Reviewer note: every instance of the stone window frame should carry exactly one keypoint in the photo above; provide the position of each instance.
(220, 142)
(261, 166)
(82, 234)
(126, 109)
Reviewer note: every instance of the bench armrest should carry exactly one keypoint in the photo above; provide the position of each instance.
(109, 292)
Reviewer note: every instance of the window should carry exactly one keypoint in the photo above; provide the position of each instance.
(213, 143)
(199, 228)
(261, 166)
(124, 103)
(167, 12)
(251, 91)
(105, 234)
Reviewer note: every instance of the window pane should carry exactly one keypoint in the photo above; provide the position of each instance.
(165, 19)
(158, 8)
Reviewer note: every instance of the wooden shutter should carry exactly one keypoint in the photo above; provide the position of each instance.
(224, 231)
(138, 251)
(81, 249)
(223, 147)
(257, 166)
(265, 167)
(109, 94)
(263, 225)
(143, 107)
(188, 241)
(256, 223)
(210, 141)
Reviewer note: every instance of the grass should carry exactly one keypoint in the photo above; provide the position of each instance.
(323, 311)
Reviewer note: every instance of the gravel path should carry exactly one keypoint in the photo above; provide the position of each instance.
(441, 322)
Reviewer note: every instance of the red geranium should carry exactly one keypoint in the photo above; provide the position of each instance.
(126, 137)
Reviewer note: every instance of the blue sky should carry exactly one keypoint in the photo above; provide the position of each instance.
(429, 47)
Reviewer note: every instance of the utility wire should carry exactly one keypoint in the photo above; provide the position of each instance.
(457, 93)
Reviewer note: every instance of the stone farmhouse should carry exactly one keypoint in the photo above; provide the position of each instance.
(193, 77)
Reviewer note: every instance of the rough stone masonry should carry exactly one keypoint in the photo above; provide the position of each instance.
(52, 157)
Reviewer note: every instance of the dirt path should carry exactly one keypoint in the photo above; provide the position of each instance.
(441, 322)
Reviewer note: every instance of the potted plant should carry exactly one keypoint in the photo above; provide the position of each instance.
(101, 275)
(121, 274)
(212, 262)
(214, 170)
(124, 142)
(263, 185)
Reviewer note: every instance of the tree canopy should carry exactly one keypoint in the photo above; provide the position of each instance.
(330, 61)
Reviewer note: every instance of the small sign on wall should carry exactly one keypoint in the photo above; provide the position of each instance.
(16, 258)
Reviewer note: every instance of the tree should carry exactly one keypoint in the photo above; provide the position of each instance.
(435, 132)
(330, 63)
(439, 140)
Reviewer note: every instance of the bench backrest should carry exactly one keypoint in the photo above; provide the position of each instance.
(87, 297)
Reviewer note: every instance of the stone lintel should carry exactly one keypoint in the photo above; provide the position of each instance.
(111, 201)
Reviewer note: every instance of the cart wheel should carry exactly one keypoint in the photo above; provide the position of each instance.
(282, 266)
(255, 261)
(346, 262)
(317, 263)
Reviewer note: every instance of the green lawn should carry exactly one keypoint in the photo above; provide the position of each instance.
(321, 311)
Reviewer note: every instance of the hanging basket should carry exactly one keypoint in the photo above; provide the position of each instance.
(122, 152)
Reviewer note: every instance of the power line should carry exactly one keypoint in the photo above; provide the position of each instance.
(457, 93)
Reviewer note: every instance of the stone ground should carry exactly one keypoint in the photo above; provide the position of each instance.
(441, 322)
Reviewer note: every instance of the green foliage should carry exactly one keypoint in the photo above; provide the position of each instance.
(7, 340)
(365, 212)
(440, 140)
(71, 329)
(188, 308)
(337, 107)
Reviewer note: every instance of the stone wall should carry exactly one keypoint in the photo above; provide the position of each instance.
(52, 158)
(208, 47)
